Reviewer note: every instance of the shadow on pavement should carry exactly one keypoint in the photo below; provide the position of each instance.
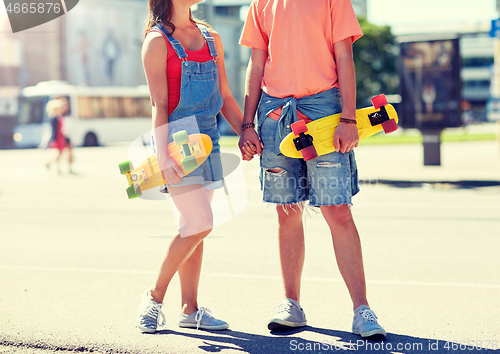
(334, 341)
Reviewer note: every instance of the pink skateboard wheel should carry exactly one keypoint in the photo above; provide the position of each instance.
(299, 127)
(390, 126)
(379, 101)
(309, 153)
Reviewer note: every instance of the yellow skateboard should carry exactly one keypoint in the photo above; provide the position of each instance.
(187, 151)
(316, 138)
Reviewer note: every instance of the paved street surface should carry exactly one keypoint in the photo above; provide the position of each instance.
(76, 255)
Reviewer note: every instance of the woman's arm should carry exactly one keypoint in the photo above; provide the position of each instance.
(154, 58)
(230, 109)
(346, 136)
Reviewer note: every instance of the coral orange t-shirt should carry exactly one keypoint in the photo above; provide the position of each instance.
(299, 37)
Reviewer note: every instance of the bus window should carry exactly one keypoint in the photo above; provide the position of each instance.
(114, 107)
(31, 110)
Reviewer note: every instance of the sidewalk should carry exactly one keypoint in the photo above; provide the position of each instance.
(474, 161)
(76, 255)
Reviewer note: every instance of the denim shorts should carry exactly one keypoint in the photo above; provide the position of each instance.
(330, 179)
(209, 173)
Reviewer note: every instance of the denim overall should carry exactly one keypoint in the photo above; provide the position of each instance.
(198, 106)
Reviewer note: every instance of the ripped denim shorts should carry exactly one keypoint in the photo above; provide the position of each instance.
(330, 179)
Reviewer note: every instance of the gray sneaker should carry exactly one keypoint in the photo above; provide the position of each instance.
(289, 315)
(201, 319)
(150, 315)
(365, 324)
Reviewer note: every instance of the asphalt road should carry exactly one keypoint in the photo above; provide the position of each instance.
(76, 255)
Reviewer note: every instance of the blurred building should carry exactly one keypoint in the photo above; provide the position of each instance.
(359, 7)
(477, 53)
(99, 43)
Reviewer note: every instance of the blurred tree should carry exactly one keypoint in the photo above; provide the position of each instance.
(375, 60)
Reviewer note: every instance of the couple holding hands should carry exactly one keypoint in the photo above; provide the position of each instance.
(301, 67)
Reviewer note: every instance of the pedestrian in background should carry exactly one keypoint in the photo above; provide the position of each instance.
(56, 110)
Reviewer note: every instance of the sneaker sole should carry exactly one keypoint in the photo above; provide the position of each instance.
(213, 328)
(373, 335)
(282, 325)
(147, 330)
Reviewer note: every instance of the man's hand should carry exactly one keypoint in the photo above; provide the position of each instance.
(250, 144)
(346, 137)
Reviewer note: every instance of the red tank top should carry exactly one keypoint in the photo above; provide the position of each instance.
(174, 70)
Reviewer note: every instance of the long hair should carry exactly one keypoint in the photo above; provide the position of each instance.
(160, 11)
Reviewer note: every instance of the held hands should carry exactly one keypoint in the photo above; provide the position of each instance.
(346, 137)
(250, 144)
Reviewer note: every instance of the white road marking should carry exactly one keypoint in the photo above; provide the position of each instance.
(251, 276)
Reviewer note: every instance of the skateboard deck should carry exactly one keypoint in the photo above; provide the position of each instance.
(187, 151)
(316, 138)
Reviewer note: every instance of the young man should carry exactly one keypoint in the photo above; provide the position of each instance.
(302, 67)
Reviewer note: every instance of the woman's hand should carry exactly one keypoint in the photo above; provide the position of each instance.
(250, 144)
(170, 171)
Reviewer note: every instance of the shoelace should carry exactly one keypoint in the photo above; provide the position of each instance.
(155, 312)
(282, 306)
(199, 315)
(369, 315)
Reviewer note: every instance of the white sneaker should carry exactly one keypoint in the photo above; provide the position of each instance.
(365, 324)
(289, 315)
(201, 319)
(150, 315)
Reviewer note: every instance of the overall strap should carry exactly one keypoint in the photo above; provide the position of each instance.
(174, 42)
(210, 41)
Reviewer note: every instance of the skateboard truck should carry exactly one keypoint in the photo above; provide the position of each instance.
(304, 142)
(139, 177)
(381, 116)
(190, 149)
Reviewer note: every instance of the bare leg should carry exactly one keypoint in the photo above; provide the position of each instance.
(189, 275)
(347, 248)
(55, 160)
(292, 248)
(194, 205)
(70, 157)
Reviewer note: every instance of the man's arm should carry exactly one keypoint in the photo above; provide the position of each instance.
(346, 135)
(253, 91)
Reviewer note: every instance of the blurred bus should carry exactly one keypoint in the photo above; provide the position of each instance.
(96, 116)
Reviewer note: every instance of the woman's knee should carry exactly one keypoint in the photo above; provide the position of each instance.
(200, 224)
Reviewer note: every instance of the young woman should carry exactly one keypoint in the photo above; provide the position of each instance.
(184, 65)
